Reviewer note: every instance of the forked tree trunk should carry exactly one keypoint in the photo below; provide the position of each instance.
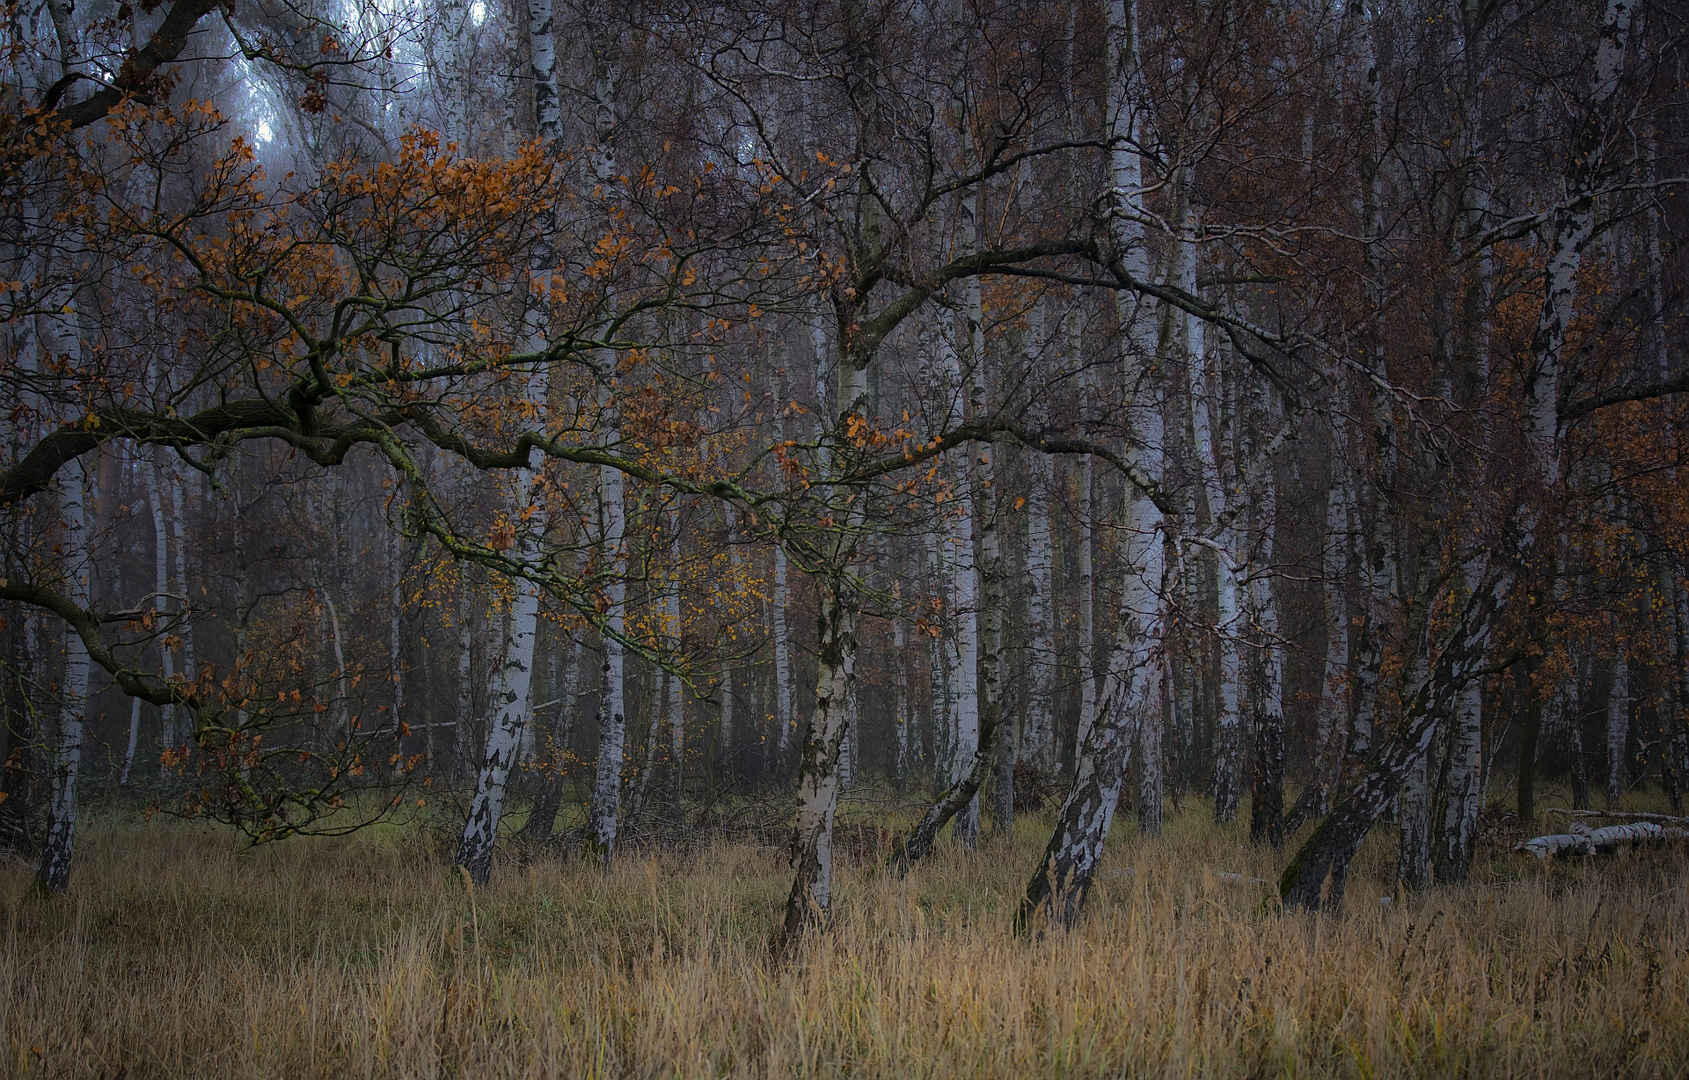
(1327, 852)
(987, 753)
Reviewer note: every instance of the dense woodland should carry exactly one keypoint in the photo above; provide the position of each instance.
(577, 425)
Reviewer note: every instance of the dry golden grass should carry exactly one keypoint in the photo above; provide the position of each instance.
(175, 955)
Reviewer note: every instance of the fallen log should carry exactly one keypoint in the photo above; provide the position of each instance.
(1623, 815)
(1582, 840)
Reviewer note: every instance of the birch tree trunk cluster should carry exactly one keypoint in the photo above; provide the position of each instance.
(577, 421)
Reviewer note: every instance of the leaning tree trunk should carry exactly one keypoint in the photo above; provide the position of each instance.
(1329, 849)
(1454, 813)
(1413, 816)
(1133, 695)
(1131, 691)
(987, 751)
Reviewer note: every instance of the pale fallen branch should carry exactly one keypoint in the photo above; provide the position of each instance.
(1582, 840)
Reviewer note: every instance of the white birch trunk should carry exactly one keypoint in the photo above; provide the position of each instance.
(605, 811)
(818, 771)
(1574, 227)
(395, 630)
(677, 694)
(342, 702)
(1413, 810)
(1133, 690)
(959, 523)
(938, 692)
(54, 871)
(784, 722)
(1618, 730)
(1087, 603)
(161, 587)
(1334, 682)
(1228, 737)
(1039, 736)
(1380, 550)
(612, 715)
(1461, 788)
(725, 734)
(513, 685)
(179, 556)
(900, 702)
(463, 739)
(542, 59)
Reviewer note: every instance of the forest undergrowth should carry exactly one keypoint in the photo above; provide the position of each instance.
(178, 954)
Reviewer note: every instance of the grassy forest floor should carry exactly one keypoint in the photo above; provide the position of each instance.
(178, 954)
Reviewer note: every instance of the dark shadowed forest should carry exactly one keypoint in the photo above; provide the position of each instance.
(844, 538)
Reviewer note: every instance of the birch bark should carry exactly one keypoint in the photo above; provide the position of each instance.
(605, 809)
(818, 769)
(161, 587)
(1039, 735)
(1132, 694)
(964, 589)
(783, 720)
(513, 684)
(1618, 730)
(53, 874)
